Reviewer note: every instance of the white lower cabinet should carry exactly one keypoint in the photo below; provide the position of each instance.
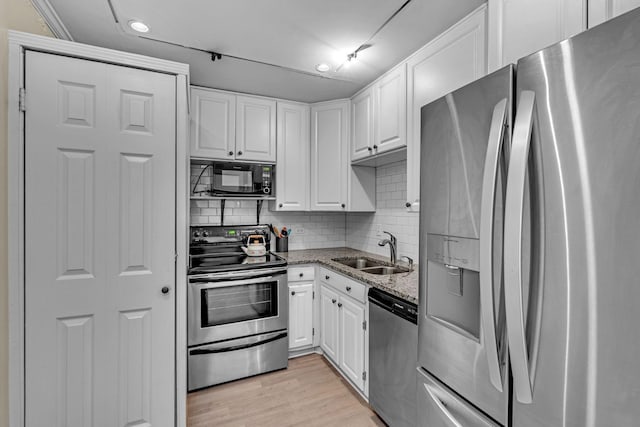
(301, 307)
(343, 331)
(300, 315)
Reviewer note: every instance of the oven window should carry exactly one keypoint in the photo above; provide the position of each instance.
(232, 304)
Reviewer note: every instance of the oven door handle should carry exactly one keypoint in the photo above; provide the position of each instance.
(232, 275)
(203, 284)
(252, 342)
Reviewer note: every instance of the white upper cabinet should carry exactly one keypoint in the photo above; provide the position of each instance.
(226, 126)
(603, 10)
(255, 129)
(292, 170)
(453, 59)
(390, 99)
(213, 124)
(362, 125)
(378, 117)
(329, 155)
(518, 28)
(335, 184)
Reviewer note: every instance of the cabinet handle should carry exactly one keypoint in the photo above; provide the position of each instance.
(293, 292)
(165, 289)
(301, 274)
(375, 147)
(343, 205)
(326, 277)
(333, 301)
(408, 204)
(239, 153)
(348, 288)
(231, 153)
(280, 205)
(339, 304)
(370, 149)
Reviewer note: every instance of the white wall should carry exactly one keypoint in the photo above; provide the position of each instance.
(390, 215)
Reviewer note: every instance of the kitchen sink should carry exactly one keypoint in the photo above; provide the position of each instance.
(371, 266)
(359, 263)
(385, 270)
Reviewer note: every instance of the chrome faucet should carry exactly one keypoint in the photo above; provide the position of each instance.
(393, 244)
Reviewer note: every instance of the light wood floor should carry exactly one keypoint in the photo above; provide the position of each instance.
(310, 393)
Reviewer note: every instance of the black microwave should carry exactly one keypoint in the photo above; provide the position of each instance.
(243, 179)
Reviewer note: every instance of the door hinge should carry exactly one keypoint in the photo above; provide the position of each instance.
(313, 295)
(22, 94)
(364, 376)
(364, 325)
(313, 332)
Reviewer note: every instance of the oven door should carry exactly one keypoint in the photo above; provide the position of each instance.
(236, 304)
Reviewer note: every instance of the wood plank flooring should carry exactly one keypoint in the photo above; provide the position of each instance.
(310, 393)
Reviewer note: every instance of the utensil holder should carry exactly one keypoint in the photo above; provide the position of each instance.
(282, 244)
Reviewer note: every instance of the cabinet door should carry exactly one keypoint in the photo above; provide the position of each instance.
(519, 28)
(255, 129)
(603, 10)
(390, 116)
(300, 315)
(351, 345)
(329, 152)
(329, 327)
(213, 118)
(455, 58)
(362, 125)
(292, 171)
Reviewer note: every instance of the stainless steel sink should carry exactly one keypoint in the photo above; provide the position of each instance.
(371, 266)
(359, 263)
(385, 270)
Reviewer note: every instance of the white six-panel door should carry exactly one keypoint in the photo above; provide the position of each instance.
(99, 244)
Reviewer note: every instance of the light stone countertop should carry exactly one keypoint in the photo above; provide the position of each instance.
(403, 285)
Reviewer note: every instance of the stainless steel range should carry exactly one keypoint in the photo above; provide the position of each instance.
(237, 306)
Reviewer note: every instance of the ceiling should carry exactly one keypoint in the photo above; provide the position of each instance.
(280, 41)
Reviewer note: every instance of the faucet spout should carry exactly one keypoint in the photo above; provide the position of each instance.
(393, 245)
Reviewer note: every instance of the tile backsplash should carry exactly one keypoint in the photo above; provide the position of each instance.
(391, 215)
(326, 230)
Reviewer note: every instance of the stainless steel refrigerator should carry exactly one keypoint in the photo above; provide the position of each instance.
(530, 235)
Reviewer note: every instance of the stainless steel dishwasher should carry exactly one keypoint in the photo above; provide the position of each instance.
(393, 357)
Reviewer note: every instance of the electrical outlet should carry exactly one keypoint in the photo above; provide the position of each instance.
(298, 230)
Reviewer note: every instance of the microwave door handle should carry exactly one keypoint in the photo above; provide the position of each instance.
(513, 220)
(489, 181)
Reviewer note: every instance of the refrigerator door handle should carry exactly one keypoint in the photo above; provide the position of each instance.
(513, 220)
(449, 418)
(489, 181)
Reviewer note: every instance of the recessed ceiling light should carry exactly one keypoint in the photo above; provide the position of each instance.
(139, 26)
(323, 67)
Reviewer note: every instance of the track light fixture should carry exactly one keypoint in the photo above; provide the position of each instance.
(215, 55)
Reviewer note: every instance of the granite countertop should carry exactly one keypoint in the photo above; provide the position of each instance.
(403, 285)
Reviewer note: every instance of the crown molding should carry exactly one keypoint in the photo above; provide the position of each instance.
(51, 18)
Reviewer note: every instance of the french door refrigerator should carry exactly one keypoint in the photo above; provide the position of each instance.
(530, 235)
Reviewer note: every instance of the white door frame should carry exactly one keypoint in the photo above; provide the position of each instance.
(18, 43)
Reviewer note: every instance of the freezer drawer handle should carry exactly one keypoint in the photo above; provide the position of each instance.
(237, 347)
(450, 419)
(513, 219)
(489, 183)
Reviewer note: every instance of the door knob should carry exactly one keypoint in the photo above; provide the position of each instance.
(165, 289)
